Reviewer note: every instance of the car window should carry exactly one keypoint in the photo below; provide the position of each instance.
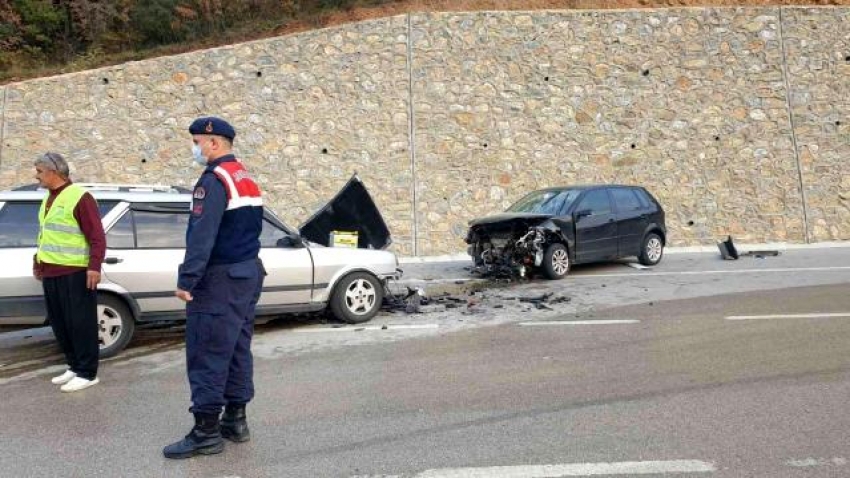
(625, 199)
(121, 235)
(596, 202)
(103, 207)
(645, 201)
(545, 202)
(271, 234)
(161, 230)
(164, 229)
(19, 224)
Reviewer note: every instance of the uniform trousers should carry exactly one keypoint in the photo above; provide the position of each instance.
(219, 328)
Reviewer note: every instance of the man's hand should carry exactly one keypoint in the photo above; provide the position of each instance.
(92, 279)
(36, 273)
(183, 295)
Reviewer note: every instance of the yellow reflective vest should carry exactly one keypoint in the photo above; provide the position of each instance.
(60, 240)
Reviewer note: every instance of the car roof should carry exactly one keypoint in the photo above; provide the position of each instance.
(102, 191)
(585, 187)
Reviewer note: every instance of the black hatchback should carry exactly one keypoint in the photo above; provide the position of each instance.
(550, 229)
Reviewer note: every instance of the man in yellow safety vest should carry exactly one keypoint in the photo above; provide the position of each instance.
(71, 248)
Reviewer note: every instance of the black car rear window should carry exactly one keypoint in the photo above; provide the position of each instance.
(19, 222)
(645, 201)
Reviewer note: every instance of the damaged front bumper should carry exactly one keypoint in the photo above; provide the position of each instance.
(502, 256)
(510, 246)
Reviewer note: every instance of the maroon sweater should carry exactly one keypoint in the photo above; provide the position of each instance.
(88, 216)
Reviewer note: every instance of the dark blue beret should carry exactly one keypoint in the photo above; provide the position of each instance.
(212, 125)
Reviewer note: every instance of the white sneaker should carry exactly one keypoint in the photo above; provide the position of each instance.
(64, 378)
(78, 383)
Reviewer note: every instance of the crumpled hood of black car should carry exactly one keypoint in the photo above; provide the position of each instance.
(352, 209)
(508, 219)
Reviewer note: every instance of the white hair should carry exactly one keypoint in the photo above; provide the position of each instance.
(54, 162)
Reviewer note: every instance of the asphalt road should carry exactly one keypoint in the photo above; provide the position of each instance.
(687, 387)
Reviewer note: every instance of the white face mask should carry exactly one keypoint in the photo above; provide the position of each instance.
(198, 156)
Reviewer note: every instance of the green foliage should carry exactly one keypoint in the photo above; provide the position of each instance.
(156, 22)
(41, 26)
(48, 36)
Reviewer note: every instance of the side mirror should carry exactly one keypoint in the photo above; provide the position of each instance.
(582, 213)
(290, 241)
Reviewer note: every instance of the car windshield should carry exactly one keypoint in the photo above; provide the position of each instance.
(545, 202)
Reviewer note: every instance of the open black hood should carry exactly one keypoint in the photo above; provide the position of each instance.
(352, 209)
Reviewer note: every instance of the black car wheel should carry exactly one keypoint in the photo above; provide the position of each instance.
(357, 298)
(651, 250)
(556, 261)
(115, 325)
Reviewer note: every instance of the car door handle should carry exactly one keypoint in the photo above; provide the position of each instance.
(611, 220)
(113, 260)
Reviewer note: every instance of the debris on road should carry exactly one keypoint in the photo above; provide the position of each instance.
(414, 300)
(729, 252)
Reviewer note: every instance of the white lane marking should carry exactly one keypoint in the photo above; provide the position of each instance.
(570, 469)
(366, 327)
(812, 462)
(580, 322)
(789, 316)
(590, 275)
(695, 273)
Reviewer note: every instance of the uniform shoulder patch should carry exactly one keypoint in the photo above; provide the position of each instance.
(199, 193)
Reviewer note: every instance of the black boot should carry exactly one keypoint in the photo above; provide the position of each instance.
(234, 424)
(204, 439)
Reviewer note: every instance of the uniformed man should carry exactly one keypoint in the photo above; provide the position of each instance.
(220, 280)
(71, 248)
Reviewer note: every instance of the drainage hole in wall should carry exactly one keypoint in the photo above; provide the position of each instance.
(690, 223)
(645, 72)
(634, 146)
(545, 78)
(105, 81)
(717, 138)
(485, 145)
(838, 123)
(259, 74)
(324, 150)
(144, 160)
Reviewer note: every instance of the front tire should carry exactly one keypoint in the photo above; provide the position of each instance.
(651, 249)
(357, 298)
(556, 261)
(115, 325)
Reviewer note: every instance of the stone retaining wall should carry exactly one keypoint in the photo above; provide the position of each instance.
(736, 119)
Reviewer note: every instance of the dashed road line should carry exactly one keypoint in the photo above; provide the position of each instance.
(716, 271)
(647, 273)
(366, 327)
(630, 468)
(580, 322)
(826, 315)
(818, 462)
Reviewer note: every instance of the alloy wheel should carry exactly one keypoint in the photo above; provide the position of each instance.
(560, 262)
(653, 249)
(360, 297)
(109, 325)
